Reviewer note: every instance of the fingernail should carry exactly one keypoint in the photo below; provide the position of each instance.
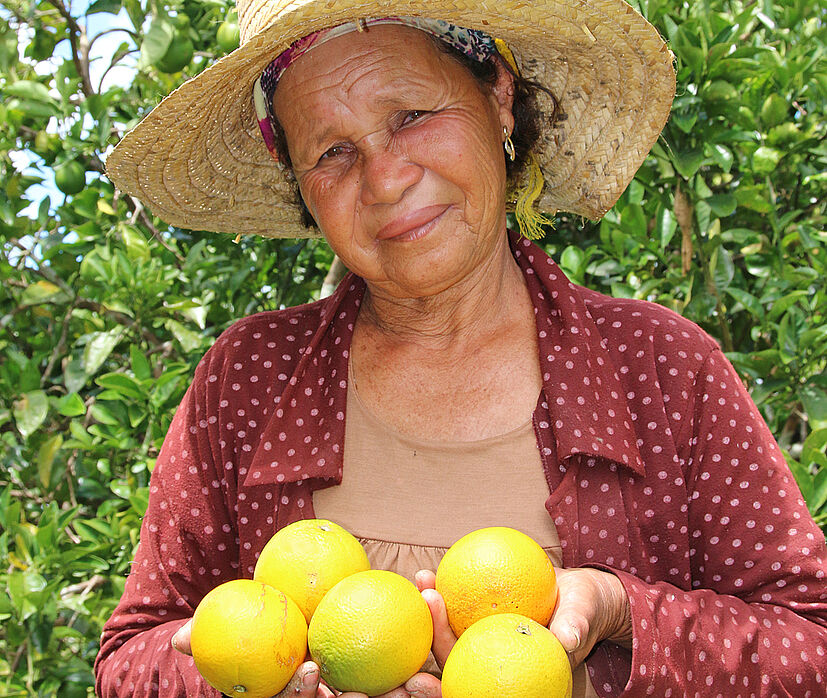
(311, 678)
(576, 633)
(174, 641)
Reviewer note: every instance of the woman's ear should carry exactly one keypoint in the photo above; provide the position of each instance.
(503, 92)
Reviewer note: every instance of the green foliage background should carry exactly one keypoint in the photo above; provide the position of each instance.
(105, 310)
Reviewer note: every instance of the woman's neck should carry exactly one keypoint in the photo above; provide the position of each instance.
(491, 296)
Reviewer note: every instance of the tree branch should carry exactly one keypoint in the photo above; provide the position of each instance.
(119, 317)
(60, 347)
(138, 211)
(80, 46)
(334, 276)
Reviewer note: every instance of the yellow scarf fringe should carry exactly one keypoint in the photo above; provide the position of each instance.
(530, 221)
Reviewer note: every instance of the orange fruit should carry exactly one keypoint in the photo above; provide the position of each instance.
(496, 570)
(507, 656)
(248, 639)
(370, 633)
(308, 558)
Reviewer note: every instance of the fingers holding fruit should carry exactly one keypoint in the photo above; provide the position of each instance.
(181, 639)
(499, 589)
(593, 606)
(370, 631)
(418, 686)
(306, 683)
(444, 638)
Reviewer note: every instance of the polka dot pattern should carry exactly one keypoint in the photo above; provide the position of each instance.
(660, 467)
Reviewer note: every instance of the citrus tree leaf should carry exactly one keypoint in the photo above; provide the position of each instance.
(156, 40)
(99, 348)
(722, 267)
(46, 458)
(30, 412)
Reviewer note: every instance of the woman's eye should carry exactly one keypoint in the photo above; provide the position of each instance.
(333, 152)
(413, 115)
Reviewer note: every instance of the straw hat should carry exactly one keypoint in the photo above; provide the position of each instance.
(198, 159)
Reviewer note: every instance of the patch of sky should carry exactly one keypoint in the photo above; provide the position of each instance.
(107, 32)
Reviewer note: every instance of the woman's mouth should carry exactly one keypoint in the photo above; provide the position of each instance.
(414, 225)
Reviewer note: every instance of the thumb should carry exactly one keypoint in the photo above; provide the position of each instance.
(181, 640)
(569, 632)
(304, 683)
(444, 638)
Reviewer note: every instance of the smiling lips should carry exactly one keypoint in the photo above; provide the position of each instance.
(413, 225)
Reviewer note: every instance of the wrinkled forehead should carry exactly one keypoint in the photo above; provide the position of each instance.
(343, 60)
(471, 42)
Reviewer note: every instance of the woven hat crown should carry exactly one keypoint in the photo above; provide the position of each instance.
(198, 159)
(256, 15)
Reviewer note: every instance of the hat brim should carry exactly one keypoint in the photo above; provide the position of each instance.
(198, 160)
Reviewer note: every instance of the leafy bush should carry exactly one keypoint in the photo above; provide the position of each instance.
(104, 310)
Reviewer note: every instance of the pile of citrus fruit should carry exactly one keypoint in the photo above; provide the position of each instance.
(368, 630)
(500, 590)
(371, 630)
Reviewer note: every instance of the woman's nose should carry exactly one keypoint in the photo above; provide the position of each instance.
(386, 176)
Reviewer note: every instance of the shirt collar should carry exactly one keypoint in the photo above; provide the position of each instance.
(584, 396)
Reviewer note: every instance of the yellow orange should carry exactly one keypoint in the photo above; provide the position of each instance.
(248, 639)
(496, 570)
(507, 656)
(370, 633)
(307, 558)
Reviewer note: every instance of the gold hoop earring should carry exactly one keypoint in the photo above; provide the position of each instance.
(509, 145)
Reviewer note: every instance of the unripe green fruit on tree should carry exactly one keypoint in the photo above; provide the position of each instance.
(178, 55)
(181, 21)
(228, 36)
(70, 178)
(720, 91)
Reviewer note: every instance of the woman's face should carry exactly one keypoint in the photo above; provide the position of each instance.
(398, 153)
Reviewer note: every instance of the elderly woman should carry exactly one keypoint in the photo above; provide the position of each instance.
(456, 379)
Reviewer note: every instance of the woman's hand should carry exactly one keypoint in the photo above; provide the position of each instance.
(418, 686)
(305, 683)
(444, 638)
(592, 606)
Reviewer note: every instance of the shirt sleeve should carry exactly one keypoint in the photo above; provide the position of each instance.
(188, 545)
(754, 622)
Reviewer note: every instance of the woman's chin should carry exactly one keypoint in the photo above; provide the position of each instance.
(430, 259)
(428, 274)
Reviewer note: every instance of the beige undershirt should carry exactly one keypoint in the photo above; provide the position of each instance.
(408, 500)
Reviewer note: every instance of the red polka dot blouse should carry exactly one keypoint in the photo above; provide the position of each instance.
(660, 468)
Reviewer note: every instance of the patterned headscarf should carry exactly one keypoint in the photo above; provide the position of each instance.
(471, 42)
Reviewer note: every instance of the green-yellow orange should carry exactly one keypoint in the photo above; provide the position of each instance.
(370, 633)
